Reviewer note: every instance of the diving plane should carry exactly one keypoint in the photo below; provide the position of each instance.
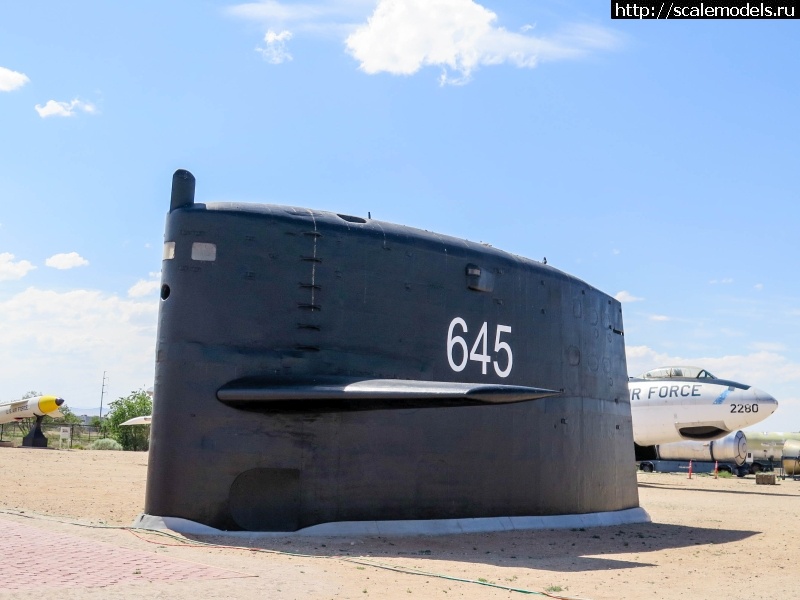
(38, 406)
(675, 404)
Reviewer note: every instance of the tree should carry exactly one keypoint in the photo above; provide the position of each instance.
(130, 437)
(69, 418)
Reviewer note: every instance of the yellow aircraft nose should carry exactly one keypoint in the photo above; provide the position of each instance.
(48, 404)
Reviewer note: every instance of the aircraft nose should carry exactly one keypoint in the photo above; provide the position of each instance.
(59, 401)
(764, 400)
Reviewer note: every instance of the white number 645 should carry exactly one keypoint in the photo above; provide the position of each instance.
(478, 353)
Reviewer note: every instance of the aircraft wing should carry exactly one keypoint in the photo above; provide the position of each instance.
(15, 403)
(375, 393)
(7, 412)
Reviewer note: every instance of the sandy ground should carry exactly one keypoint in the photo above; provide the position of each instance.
(725, 538)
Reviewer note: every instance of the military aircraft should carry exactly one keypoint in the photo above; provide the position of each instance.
(674, 404)
(38, 406)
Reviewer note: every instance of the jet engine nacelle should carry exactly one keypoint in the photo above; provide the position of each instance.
(731, 448)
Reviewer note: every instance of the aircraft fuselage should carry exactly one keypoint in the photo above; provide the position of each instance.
(675, 409)
(30, 407)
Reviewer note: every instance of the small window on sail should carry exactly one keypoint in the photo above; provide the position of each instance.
(169, 251)
(204, 251)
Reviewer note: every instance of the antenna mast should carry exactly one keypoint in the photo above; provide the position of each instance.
(102, 393)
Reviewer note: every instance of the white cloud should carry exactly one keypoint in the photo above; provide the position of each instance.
(458, 36)
(68, 260)
(270, 11)
(275, 51)
(659, 318)
(725, 281)
(332, 19)
(11, 80)
(759, 286)
(145, 287)
(64, 109)
(625, 296)
(62, 342)
(735, 333)
(10, 270)
(769, 346)
(403, 36)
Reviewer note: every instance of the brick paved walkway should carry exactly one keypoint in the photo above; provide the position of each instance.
(33, 558)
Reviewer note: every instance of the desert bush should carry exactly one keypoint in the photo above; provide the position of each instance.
(105, 444)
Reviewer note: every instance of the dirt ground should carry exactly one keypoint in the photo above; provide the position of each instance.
(725, 538)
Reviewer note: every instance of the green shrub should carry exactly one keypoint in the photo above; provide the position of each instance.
(105, 444)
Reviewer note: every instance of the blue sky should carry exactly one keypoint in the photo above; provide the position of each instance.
(656, 160)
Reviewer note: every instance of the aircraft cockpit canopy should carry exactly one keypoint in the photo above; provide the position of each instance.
(668, 372)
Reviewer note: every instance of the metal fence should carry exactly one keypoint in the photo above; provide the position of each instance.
(77, 436)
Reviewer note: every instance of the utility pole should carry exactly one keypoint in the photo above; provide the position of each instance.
(102, 393)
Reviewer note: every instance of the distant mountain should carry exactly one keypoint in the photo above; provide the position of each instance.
(89, 412)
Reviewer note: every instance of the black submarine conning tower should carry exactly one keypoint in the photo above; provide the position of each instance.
(183, 183)
(315, 367)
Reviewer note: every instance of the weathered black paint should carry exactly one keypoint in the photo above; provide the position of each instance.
(297, 299)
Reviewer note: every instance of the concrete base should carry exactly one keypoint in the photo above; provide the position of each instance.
(402, 528)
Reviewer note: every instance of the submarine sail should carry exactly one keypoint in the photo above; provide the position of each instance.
(314, 367)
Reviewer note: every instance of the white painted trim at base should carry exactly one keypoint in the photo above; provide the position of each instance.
(418, 527)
